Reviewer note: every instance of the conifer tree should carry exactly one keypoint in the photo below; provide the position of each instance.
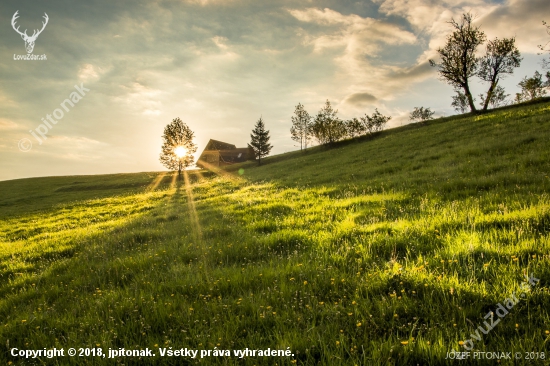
(259, 141)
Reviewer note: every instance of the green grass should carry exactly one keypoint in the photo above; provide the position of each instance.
(385, 250)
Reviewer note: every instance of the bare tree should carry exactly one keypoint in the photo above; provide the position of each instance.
(501, 58)
(458, 60)
(301, 126)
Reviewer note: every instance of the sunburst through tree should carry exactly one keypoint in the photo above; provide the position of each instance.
(177, 147)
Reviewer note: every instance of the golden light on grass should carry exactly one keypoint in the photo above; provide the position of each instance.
(180, 151)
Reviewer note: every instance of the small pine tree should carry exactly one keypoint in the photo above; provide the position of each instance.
(259, 141)
(177, 147)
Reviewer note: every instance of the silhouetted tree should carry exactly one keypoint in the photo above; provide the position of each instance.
(501, 57)
(533, 87)
(458, 56)
(460, 101)
(544, 48)
(421, 114)
(498, 97)
(327, 127)
(375, 122)
(259, 141)
(354, 128)
(301, 126)
(177, 147)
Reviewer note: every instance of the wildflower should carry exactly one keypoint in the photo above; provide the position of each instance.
(461, 343)
(405, 343)
(359, 324)
(305, 282)
(337, 343)
(547, 332)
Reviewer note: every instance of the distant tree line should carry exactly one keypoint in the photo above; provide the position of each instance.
(327, 128)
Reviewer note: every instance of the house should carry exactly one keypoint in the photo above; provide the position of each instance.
(218, 153)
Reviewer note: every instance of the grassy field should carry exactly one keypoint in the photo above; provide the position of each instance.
(385, 251)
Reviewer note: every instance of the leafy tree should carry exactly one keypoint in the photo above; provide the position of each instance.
(177, 147)
(421, 114)
(460, 101)
(375, 122)
(544, 48)
(533, 87)
(498, 97)
(458, 56)
(259, 141)
(301, 126)
(355, 128)
(501, 57)
(327, 127)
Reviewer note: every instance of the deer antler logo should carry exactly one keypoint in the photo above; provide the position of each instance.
(29, 41)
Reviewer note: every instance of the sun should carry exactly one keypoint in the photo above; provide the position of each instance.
(180, 151)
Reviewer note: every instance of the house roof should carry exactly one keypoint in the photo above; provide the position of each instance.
(219, 145)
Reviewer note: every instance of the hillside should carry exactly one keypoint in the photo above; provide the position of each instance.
(386, 250)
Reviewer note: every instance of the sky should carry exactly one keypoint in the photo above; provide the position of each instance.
(220, 65)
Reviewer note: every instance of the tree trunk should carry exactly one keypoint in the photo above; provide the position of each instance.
(489, 94)
(470, 98)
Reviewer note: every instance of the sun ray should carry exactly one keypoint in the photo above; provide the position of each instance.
(221, 172)
(155, 183)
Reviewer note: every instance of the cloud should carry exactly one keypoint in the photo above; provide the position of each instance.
(6, 124)
(360, 99)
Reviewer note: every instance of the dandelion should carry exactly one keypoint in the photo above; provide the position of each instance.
(460, 343)
(23, 321)
(405, 343)
(337, 343)
(547, 332)
(359, 324)
(517, 325)
(305, 282)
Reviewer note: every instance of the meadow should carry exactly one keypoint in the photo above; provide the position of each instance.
(386, 250)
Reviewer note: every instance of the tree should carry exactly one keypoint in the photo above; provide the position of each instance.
(501, 57)
(498, 97)
(354, 128)
(301, 126)
(458, 56)
(327, 127)
(177, 147)
(421, 114)
(543, 48)
(375, 123)
(460, 101)
(259, 141)
(533, 87)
